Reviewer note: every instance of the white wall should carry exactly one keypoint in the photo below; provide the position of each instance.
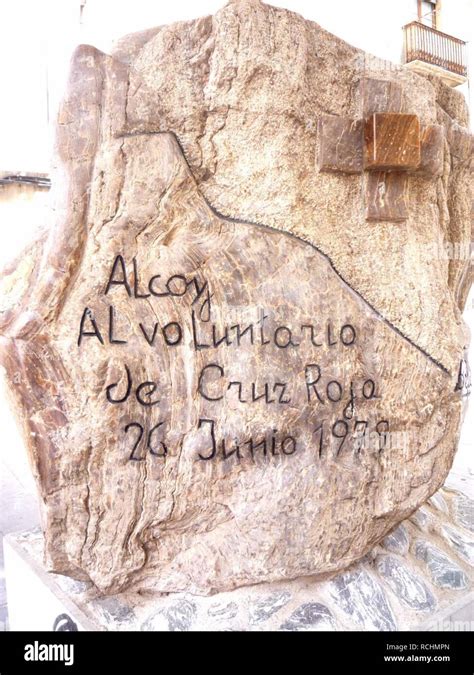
(457, 18)
(36, 39)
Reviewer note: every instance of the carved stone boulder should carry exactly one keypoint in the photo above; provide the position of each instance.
(237, 354)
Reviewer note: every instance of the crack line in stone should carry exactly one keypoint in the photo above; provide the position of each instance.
(271, 228)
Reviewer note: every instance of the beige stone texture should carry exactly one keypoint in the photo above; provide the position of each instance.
(190, 204)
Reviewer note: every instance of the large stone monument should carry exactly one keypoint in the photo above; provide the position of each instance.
(237, 354)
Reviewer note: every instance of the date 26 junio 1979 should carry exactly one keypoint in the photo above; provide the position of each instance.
(330, 436)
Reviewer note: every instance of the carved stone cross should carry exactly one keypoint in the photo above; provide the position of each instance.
(387, 144)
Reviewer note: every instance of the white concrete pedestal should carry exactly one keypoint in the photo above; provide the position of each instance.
(36, 602)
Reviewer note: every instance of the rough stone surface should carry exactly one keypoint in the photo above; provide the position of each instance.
(210, 347)
(397, 541)
(439, 502)
(445, 572)
(463, 545)
(223, 611)
(405, 583)
(432, 150)
(115, 611)
(310, 616)
(175, 618)
(363, 599)
(464, 508)
(421, 518)
(266, 607)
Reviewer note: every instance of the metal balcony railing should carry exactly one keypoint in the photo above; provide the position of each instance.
(423, 43)
(39, 180)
